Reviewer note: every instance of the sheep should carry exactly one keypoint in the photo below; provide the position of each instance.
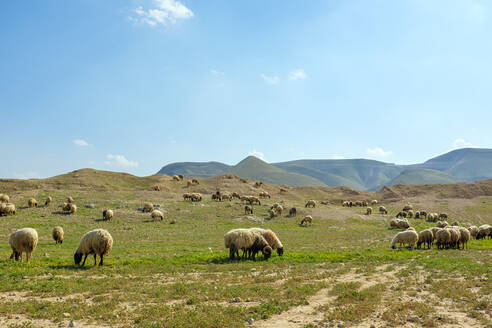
(196, 197)
(310, 203)
(434, 231)
(186, 196)
(455, 224)
(175, 178)
(374, 202)
(484, 231)
(402, 224)
(345, 203)
(96, 242)
(253, 200)
(189, 183)
(264, 194)
(148, 207)
(73, 208)
(443, 216)
(32, 202)
(271, 238)
(279, 210)
(226, 197)
(274, 206)
(425, 237)
(364, 203)
(442, 224)
(4, 198)
(157, 214)
(271, 213)
(417, 214)
(235, 195)
(156, 188)
(69, 199)
(443, 238)
(358, 203)
(401, 214)
(473, 231)
(409, 237)
(246, 240)
(181, 177)
(383, 210)
(407, 207)
(216, 197)
(293, 211)
(455, 236)
(108, 214)
(393, 223)
(48, 201)
(57, 234)
(307, 219)
(195, 182)
(432, 217)
(65, 207)
(464, 237)
(248, 209)
(409, 214)
(369, 211)
(23, 240)
(423, 214)
(7, 209)
(258, 184)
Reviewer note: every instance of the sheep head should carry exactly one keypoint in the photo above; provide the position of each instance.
(77, 257)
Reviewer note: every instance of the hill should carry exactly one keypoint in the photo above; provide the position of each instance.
(468, 164)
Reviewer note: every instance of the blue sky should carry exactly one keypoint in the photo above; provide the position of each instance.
(134, 85)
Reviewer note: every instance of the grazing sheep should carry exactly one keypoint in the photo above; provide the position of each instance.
(4, 198)
(279, 210)
(383, 210)
(369, 211)
(73, 209)
(409, 237)
(57, 234)
(254, 200)
(156, 188)
(248, 209)
(108, 214)
(65, 207)
(345, 204)
(425, 237)
(181, 177)
(186, 196)
(271, 238)
(443, 238)
(274, 206)
(96, 242)
(358, 203)
(441, 224)
(473, 231)
(434, 231)
(417, 215)
(307, 219)
(484, 231)
(407, 207)
(464, 237)
(409, 214)
(235, 195)
(293, 211)
(399, 224)
(48, 201)
(283, 190)
(23, 240)
(258, 184)
(195, 182)
(226, 197)
(217, 196)
(432, 217)
(175, 178)
(264, 194)
(32, 202)
(69, 199)
(7, 209)
(374, 202)
(148, 207)
(455, 237)
(196, 197)
(443, 216)
(248, 241)
(271, 213)
(156, 214)
(401, 214)
(423, 214)
(364, 203)
(189, 183)
(393, 223)
(310, 203)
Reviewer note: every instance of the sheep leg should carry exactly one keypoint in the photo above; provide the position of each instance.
(85, 258)
(95, 258)
(28, 255)
(101, 262)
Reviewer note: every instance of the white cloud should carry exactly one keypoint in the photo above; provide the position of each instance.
(166, 12)
(297, 74)
(270, 79)
(80, 142)
(258, 154)
(335, 156)
(462, 143)
(26, 175)
(378, 152)
(217, 73)
(119, 160)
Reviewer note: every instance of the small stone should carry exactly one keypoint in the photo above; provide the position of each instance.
(235, 300)
(66, 315)
(71, 324)
(251, 320)
(25, 277)
(253, 269)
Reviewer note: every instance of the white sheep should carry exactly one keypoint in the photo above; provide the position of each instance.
(57, 234)
(443, 238)
(32, 202)
(108, 214)
(484, 231)
(271, 238)
(248, 241)
(4, 198)
(307, 219)
(409, 237)
(148, 207)
(369, 211)
(7, 209)
(464, 237)
(310, 203)
(473, 231)
(383, 210)
(23, 240)
(48, 201)
(425, 237)
(97, 242)
(156, 214)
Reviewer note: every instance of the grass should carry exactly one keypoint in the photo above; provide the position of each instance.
(179, 275)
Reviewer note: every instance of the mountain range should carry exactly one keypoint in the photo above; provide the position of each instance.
(461, 165)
